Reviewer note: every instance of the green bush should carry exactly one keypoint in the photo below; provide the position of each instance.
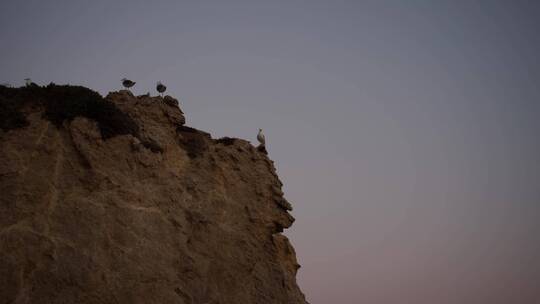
(10, 115)
(64, 103)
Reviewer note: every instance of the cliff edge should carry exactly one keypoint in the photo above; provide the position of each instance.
(115, 200)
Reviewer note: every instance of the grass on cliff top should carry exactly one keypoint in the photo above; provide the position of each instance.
(64, 103)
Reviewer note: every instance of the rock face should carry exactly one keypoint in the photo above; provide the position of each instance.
(160, 213)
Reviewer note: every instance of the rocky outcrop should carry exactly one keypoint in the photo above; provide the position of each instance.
(95, 209)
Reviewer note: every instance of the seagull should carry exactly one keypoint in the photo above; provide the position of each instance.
(127, 83)
(160, 87)
(260, 138)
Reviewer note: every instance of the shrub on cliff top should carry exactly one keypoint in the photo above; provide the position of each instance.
(67, 102)
(11, 103)
(64, 103)
(193, 141)
(227, 141)
(10, 115)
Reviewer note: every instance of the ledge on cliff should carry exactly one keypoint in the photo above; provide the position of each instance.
(114, 200)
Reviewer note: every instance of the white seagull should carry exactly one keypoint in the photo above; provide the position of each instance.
(261, 139)
(127, 83)
(160, 87)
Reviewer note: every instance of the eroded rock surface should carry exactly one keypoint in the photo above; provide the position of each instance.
(164, 215)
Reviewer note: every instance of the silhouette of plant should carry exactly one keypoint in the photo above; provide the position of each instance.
(63, 103)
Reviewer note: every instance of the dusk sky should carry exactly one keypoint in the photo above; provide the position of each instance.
(406, 133)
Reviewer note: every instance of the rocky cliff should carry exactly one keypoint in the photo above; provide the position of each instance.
(115, 200)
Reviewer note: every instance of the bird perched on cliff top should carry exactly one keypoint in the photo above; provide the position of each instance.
(160, 87)
(127, 83)
(260, 138)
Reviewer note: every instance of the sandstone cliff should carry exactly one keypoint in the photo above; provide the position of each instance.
(114, 200)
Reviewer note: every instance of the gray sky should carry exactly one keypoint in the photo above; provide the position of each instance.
(406, 132)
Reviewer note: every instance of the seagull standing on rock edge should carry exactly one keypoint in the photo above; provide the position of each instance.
(127, 83)
(160, 87)
(262, 140)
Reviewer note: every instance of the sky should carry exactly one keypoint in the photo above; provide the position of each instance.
(407, 133)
